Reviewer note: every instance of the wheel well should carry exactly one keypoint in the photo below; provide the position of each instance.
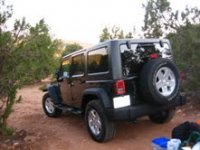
(86, 99)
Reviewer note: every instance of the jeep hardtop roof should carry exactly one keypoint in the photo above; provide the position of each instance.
(119, 41)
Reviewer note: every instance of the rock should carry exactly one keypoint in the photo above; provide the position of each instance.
(22, 133)
(183, 114)
(16, 144)
(29, 139)
(7, 141)
(179, 111)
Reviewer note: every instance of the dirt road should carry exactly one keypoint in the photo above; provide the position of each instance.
(69, 132)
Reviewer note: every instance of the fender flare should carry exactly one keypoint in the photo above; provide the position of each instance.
(100, 94)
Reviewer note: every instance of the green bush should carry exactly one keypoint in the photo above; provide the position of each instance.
(26, 54)
(186, 47)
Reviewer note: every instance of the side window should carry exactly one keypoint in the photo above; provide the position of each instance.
(77, 67)
(66, 65)
(98, 60)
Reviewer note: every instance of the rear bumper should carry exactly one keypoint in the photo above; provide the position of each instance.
(133, 112)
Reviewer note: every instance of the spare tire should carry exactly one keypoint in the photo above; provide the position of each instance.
(159, 81)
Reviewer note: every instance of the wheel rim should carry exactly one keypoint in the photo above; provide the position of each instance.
(49, 105)
(165, 81)
(94, 122)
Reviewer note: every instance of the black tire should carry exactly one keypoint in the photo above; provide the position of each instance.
(50, 110)
(162, 116)
(106, 129)
(159, 81)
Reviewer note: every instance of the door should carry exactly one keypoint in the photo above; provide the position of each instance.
(65, 87)
(77, 73)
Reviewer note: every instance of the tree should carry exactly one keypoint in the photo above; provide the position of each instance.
(121, 35)
(186, 46)
(105, 35)
(35, 52)
(129, 35)
(114, 33)
(72, 48)
(160, 19)
(7, 88)
(26, 54)
(60, 46)
(155, 19)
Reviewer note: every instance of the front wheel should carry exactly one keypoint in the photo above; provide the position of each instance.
(49, 108)
(162, 116)
(99, 127)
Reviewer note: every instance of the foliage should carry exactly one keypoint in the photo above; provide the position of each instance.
(114, 33)
(59, 45)
(72, 48)
(105, 35)
(26, 55)
(155, 19)
(129, 35)
(186, 44)
(36, 52)
(6, 131)
(160, 19)
(7, 92)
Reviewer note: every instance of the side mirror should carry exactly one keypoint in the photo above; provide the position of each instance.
(65, 74)
(62, 76)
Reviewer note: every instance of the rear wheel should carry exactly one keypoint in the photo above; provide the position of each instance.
(162, 116)
(99, 127)
(49, 108)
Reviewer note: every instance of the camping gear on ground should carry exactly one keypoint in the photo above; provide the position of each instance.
(185, 136)
(184, 130)
(173, 144)
(160, 143)
(164, 143)
(196, 146)
(193, 141)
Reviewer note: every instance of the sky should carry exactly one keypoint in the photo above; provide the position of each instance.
(83, 20)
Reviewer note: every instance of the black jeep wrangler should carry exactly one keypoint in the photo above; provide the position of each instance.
(117, 80)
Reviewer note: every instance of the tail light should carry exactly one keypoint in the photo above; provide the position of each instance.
(120, 87)
(154, 56)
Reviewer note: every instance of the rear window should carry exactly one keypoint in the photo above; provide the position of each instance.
(133, 58)
(98, 60)
(148, 47)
